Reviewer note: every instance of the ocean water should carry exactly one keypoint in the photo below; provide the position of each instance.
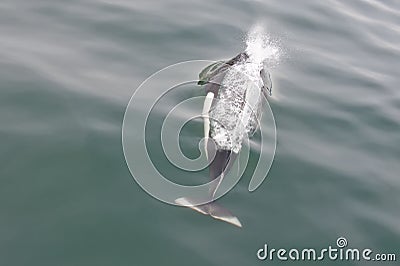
(69, 68)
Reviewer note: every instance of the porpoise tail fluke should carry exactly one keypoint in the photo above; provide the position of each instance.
(213, 209)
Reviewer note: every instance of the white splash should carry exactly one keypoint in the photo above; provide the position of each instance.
(238, 109)
(261, 48)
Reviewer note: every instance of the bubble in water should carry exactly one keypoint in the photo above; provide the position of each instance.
(262, 48)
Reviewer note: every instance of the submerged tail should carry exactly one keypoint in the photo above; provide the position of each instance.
(212, 208)
(220, 165)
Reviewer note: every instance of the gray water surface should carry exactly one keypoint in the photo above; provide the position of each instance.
(69, 68)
